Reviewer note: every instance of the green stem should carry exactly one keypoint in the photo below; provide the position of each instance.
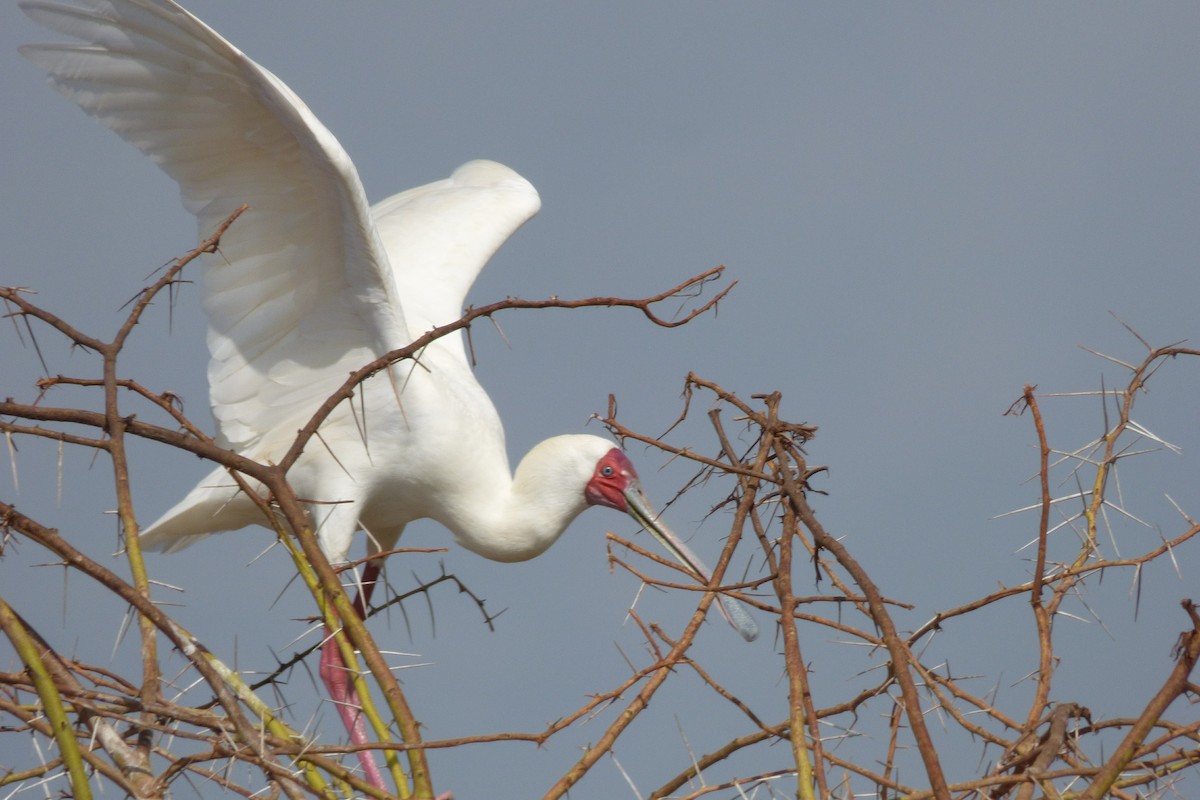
(52, 704)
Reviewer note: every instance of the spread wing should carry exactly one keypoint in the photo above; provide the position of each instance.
(439, 237)
(301, 292)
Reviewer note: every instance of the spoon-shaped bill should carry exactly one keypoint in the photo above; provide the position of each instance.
(734, 611)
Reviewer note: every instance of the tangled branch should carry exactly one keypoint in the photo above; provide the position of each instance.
(867, 736)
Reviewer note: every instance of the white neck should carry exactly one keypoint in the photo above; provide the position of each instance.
(517, 518)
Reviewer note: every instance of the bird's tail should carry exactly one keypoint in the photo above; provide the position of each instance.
(215, 505)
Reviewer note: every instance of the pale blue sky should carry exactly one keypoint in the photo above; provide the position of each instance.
(926, 206)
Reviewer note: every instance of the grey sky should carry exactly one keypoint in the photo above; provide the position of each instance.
(926, 207)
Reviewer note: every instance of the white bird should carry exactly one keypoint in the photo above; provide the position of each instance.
(311, 284)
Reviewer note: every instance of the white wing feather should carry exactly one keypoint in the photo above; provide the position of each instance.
(309, 282)
(301, 293)
(440, 236)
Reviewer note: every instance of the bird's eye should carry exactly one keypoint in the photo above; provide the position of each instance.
(606, 471)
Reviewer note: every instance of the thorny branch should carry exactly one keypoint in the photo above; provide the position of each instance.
(283, 510)
(1021, 766)
(867, 735)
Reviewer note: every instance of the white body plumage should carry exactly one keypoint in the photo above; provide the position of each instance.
(312, 283)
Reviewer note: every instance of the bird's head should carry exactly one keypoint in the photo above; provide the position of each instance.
(612, 481)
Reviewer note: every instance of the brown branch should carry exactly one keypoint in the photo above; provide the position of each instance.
(1187, 651)
(413, 349)
(1042, 616)
(764, 482)
(244, 730)
(896, 647)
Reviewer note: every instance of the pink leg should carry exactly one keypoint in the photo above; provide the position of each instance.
(341, 690)
(337, 682)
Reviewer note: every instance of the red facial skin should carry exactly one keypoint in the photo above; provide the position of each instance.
(614, 473)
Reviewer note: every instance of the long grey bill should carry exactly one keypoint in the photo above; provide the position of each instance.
(733, 610)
